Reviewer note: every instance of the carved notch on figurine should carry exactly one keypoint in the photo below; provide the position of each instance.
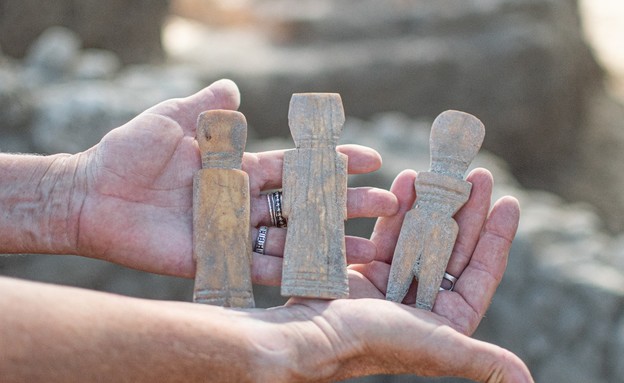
(221, 239)
(315, 192)
(429, 231)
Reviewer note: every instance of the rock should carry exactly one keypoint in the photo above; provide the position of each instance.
(130, 29)
(93, 64)
(566, 368)
(597, 161)
(616, 346)
(15, 110)
(70, 118)
(73, 116)
(23, 21)
(56, 56)
(52, 56)
(522, 66)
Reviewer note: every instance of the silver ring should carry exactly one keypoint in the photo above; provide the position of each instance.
(271, 213)
(451, 279)
(274, 200)
(262, 236)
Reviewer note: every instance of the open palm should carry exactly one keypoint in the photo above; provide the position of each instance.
(379, 336)
(137, 205)
(137, 187)
(479, 257)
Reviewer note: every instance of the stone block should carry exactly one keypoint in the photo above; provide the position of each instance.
(131, 29)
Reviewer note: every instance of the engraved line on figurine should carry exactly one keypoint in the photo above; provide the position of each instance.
(221, 239)
(314, 180)
(221, 160)
(434, 259)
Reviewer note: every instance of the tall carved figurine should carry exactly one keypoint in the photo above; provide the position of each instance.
(429, 231)
(221, 239)
(315, 193)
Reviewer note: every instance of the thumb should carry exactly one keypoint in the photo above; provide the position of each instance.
(458, 355)
(398, 339)
(221, 94)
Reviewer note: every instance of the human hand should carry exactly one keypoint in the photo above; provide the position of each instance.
(265, 170)
(305, 340)
(478, 260)
(348, 338)
(134, 191)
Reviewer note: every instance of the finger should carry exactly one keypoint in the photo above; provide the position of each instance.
(376, 272)
(403, 340)
(488, 263)
(449, 353)
(360, 287)
(362, 159)
(370, 202)
(358, 250)
(361, 202)
(265, 168)
(222, 94)
(386, 232)
(387, 229)
(470, 220)
(266, 269)
(275, 239)
(480, 361)
(474, 290)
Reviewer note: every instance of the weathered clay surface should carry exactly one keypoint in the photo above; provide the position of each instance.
(522, 66)
(315, 192)
(221, 242)
(428, 233)
(130, 29)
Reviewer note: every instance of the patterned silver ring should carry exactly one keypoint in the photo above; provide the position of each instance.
(452, 279)
(274, 200)
(260, 241)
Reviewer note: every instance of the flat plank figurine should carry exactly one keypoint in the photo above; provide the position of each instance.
(429, 232)
(314, 193)
(221, 239)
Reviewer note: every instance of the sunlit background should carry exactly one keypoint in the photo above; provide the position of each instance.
(545, 76)
(603, 22)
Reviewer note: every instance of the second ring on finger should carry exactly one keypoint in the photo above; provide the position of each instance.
(274, 200)
(260, 243)
(448, 282)
(268, 240)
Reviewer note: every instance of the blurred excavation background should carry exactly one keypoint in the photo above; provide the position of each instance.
(545, 76)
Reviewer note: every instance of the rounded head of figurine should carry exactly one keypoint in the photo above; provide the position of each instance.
(455, 140)
(221, 136)
(315, 119)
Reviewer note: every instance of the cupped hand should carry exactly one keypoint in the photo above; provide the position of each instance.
(368, 335)
(478, 260)
(265, 173)
(134, 191)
